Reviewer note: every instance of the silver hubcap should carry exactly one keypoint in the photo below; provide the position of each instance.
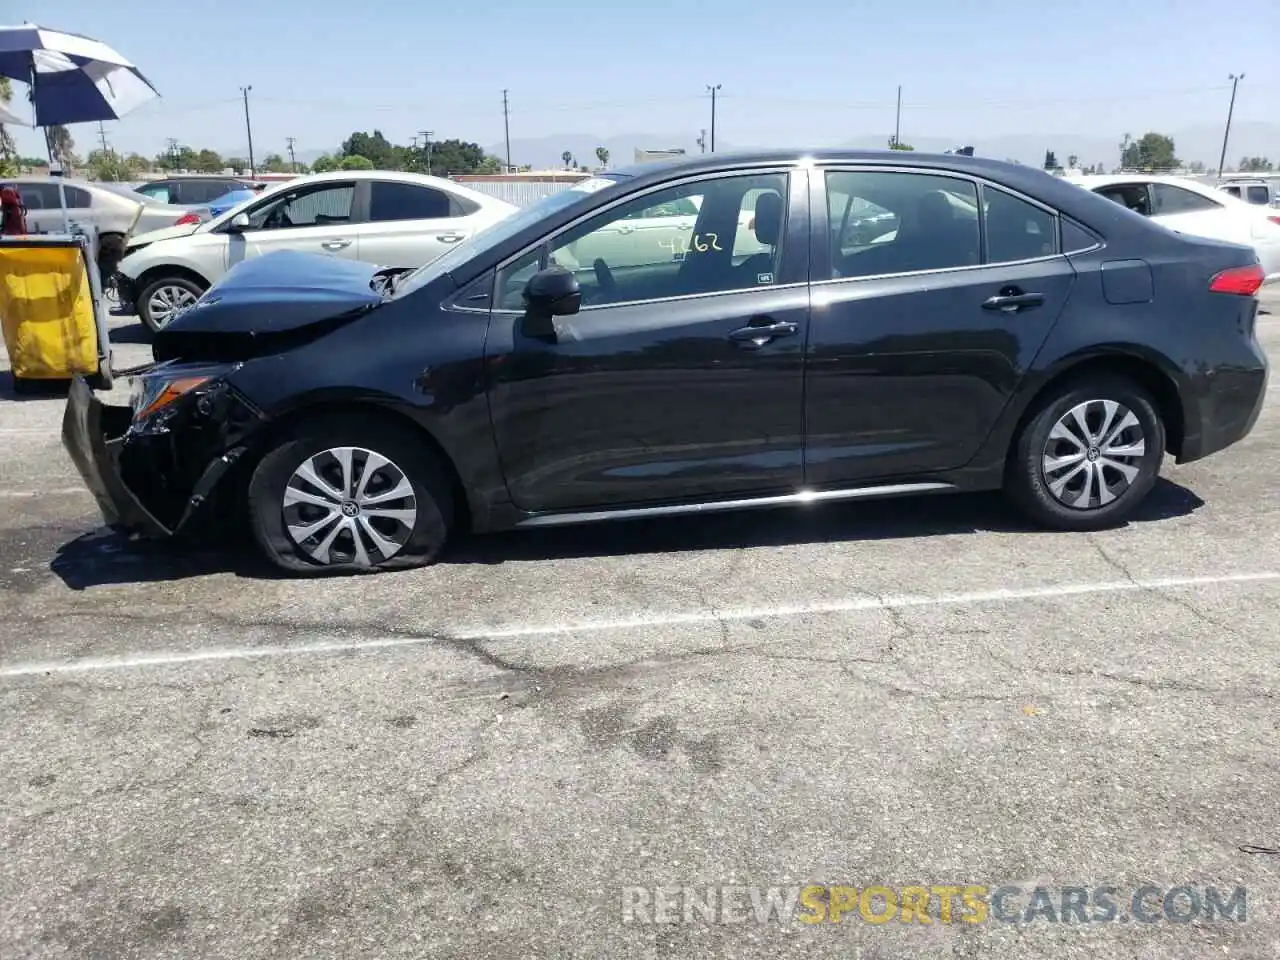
(349, 505)
(167, 302)
(1093, 455)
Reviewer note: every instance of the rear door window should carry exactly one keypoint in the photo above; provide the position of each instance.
(932, 223)
(1259, 195)
(1168, 199)
(407, 201)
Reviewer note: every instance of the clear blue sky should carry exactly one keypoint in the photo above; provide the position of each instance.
(805, 72)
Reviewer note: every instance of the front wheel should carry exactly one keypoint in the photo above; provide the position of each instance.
(349, 495)
(1088, 455)
(162, 300)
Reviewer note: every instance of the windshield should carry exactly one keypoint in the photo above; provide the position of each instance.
(501, 232)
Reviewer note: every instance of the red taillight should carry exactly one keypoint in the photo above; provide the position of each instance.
(185, 219)
(1275, 220)
(1242, 281)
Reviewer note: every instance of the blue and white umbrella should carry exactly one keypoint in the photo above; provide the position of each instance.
(72, 79)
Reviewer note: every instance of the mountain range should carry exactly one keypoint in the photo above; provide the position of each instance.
(1201, 143)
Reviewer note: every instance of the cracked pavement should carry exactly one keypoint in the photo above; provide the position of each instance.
(476, 760)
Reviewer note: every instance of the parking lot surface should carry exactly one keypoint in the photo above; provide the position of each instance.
(503, 755)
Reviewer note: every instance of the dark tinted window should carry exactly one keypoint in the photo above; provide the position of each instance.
(1076, 237)
(1166, 198)
(407, 201)
(201, 191)
(1131, 195)
(1259, 195)
(1234, 191)
(901, 222)
(1017, 230)
(40, 196)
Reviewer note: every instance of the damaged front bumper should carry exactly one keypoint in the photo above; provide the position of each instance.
(154, 485)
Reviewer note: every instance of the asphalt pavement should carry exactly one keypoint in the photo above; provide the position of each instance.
(516, 752)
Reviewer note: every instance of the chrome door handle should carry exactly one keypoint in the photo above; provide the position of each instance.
(335, 244)
(450, 237)
(762, 330)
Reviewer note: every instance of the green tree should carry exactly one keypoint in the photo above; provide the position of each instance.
(137, 163)
(374, 147)
(1255, 165)
(460, 156)
(1196, 168)
(603, 156)
(1153, 152)
(357, 161)
(275, 164)
(567, 157)
(1073, 162)
(899, 145)
(237, 164)
(107, 165)
(208, 161)
(323, 164)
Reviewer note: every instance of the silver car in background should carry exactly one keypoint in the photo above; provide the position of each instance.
(114, 209)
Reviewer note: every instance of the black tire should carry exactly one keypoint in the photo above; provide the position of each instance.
(1025, 481)
(144, 297)
(432, 497)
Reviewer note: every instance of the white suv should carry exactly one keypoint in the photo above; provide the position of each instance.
(388, 218)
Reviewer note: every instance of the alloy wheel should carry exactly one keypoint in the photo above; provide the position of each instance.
(349, 505)
(167, 302)
(1093, 454)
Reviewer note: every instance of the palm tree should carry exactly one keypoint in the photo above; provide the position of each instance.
(567, 157)
(603, 156)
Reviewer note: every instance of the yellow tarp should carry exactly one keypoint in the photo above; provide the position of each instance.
(46, 310)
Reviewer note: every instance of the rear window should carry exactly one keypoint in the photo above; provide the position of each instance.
(1259, 195)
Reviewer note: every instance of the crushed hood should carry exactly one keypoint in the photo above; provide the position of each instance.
(266, 301)
(142, 239)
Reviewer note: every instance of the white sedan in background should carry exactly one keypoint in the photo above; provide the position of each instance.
(1196, 209)
(387, 218)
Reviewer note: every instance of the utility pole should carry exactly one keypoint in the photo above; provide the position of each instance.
(1235, 81)
(173, 153)
(293, 158)
(713, 90)
(426, 141)
(506, 126)
(897, 123)
(248, 129)
(102, 137)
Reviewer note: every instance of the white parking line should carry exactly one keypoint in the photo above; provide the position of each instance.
(860, 604)
(53, 492)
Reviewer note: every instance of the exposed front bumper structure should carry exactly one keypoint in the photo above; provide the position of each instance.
(143, 485)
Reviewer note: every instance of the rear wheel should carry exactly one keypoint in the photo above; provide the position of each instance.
(163, 299)
(349, 495)
(1088, 455)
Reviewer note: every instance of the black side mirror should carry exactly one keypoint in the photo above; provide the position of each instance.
(550, 293)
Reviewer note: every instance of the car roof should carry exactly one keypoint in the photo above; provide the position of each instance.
(403, 176)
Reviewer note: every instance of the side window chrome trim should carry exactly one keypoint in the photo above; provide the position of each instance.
(940, 270)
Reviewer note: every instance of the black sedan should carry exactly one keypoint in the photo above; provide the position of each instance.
(709, 334)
